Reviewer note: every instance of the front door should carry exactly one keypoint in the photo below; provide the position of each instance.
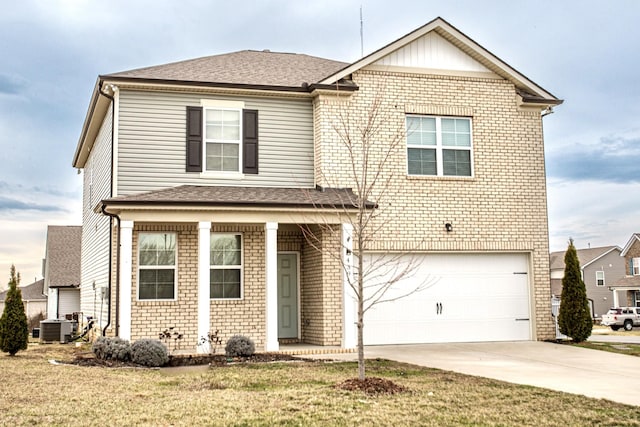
(287, 295)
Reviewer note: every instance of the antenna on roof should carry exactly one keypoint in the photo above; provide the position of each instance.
(361, 34)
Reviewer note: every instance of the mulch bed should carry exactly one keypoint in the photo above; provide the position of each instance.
(88, 359)
(372, 385)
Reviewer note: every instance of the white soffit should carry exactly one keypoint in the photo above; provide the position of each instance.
(433, 52)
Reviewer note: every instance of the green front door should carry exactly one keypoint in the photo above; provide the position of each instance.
(287, 295)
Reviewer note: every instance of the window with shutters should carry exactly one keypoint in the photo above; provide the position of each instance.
(222, 138)
(223, 142)
(439, 146)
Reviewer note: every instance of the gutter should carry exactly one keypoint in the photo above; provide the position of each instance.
(111, 217)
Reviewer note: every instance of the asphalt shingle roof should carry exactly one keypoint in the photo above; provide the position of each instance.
(31, 292)
(246, 67)
(63, 255)
(585, 256)
(244, 196)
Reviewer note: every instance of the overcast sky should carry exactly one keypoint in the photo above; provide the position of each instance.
(585, 52)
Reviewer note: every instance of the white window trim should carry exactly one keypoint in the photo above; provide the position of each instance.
(439, 147)
(220, 104)
(635, 266)
(158, 267)
(603, 279)
(229, 267)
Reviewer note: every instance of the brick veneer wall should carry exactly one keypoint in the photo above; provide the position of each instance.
(502, 208)
(321, 292)
(245, 316)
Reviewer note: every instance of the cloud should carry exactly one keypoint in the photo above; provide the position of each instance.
(8, 204)
(613, 159)
(10, 85)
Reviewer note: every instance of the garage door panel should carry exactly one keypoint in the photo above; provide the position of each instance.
(471, 297)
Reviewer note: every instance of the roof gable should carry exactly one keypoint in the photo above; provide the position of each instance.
(585, 256)
(634, 238)
(434, 52)
(532, 91)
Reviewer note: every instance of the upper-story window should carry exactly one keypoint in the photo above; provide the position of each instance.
(439, 146)
(222, 139)
(599, 278)
(635, 266)
(223, 143)
(157, 266)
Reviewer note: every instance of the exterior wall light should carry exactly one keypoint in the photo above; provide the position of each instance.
(449, 227)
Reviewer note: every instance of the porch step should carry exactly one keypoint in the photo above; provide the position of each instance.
(303, 349)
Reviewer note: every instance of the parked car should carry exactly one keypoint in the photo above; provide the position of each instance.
(622, 317)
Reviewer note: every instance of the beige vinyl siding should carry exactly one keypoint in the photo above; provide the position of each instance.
(95, 226)
(151, 143)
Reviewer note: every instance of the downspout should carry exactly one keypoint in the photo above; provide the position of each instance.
(111, 216)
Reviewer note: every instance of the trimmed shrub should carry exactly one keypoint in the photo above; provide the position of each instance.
(239, 345)
(151, 353)
(112, 348)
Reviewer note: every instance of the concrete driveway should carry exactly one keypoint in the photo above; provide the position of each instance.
(576, 370)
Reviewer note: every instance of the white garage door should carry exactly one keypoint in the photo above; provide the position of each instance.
(468, 298)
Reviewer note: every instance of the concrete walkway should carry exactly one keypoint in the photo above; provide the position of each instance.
(575, 370)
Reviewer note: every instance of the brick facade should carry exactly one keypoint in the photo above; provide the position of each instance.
(501, 208)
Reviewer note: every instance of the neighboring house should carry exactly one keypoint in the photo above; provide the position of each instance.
(198, 175)
(33, 298)
(62, 270)
(626, 290)
(600, 267)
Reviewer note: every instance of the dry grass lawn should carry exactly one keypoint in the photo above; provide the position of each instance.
(36, 392)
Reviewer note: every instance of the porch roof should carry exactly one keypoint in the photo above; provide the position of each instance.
(630, 283)
(259, 197)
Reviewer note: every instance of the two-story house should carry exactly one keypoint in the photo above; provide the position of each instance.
(199, 176)
(626, 290)
(600, 268)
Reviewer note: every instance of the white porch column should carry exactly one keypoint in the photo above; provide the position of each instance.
(271, 278)
(204, 315)
(615, 298)
(126, 256)
(349, 312)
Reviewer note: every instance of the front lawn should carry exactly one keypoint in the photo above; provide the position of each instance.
(33, 391)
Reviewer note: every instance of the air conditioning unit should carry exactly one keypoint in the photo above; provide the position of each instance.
(56, 330)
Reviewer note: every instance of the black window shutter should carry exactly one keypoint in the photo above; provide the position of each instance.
(194, 139)
(250, 141)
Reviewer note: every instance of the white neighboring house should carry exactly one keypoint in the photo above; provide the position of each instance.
(33, 298)
(62, 270)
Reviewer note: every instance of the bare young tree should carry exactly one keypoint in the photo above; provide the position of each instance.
(372, 141)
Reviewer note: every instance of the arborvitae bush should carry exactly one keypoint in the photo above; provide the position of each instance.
(112, 348)
(574, 318)
(239, 345)
(150, 353)
(14, 331)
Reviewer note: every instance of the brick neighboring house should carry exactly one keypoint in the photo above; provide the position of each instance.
(198, 175)
(33, 299)
(626, 290)
(600, 267)
(62, 270)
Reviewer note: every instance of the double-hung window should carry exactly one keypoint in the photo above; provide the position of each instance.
(223, 140)
(599, 278)
(157, 266)
(225, 280)
(439, 146)
(635, 267)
